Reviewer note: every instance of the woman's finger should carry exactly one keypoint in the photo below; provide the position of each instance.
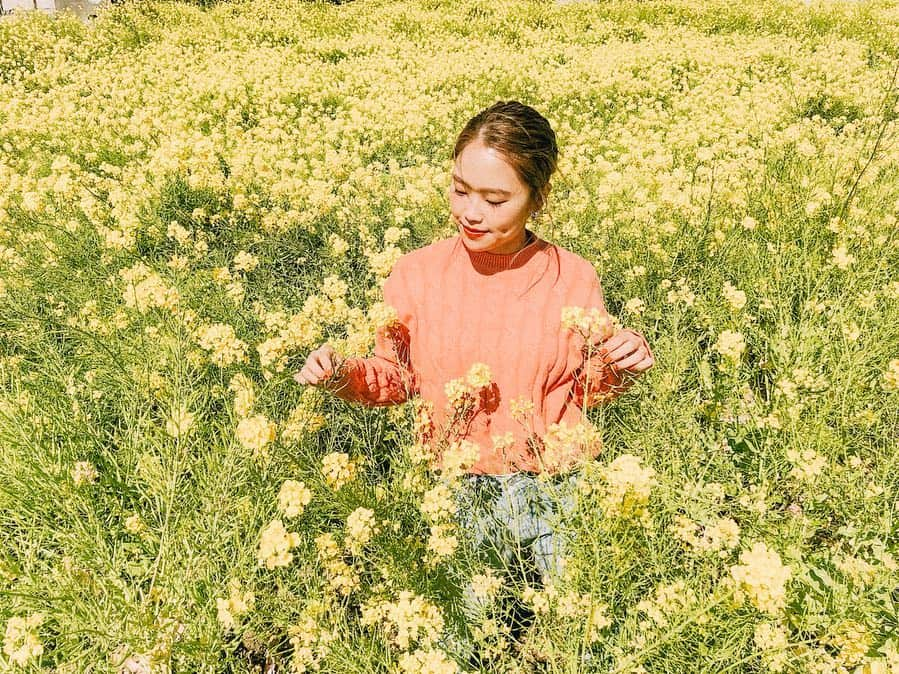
(619, 352)
(316, 369)
(641, 364)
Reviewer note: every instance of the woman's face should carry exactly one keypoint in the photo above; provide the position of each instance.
(489, 202)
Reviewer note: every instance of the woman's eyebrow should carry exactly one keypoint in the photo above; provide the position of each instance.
(494, 190)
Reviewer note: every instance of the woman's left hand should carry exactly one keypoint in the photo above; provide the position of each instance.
(627, 352)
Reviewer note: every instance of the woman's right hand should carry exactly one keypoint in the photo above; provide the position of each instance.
(320, 367)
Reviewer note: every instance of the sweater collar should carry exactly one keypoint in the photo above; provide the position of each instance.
(490, 263)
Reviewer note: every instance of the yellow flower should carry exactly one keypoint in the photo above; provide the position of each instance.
(427, 661)
(891, 376)
(360, 527)
(730, 345)
(244, 261)
(338, 469)
(458, 458)
(485, 585)
(275, 544)
(771, 640)
(635, 306)
(458, 393)
(334, 287)
(806, 463)
(83, 472)
(338, 246)
(762, 577)
(255, 433)
(441, 542)
(236, 604)
(293, 497)
(21, 642)
(437, 503)
(736, 298)
(628, 486)
(840, 258)
(410, 619)
(134, 524)
(223, 344)
(479, 375)
(244, 394)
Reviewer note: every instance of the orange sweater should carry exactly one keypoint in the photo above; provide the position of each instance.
(455, 308)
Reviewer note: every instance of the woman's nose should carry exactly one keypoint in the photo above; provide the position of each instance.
(471, 212)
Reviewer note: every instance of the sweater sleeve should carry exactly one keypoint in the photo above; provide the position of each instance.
(594, 381)
(386, 378)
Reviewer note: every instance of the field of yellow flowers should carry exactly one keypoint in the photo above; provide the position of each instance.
(191, 200)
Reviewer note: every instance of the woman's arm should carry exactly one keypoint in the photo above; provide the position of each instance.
(598, 380)
(387, 378)
(384, 379)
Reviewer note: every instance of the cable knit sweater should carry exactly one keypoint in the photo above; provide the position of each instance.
(456, 307)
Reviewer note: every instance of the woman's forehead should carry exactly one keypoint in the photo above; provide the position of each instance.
(485, 169)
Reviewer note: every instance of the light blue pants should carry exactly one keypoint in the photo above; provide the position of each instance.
(515, 522)
(517, 525)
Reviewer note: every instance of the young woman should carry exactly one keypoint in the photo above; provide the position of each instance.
(494, 295)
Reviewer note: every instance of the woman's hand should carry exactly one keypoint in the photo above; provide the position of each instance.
(627, 352)
(320, 367)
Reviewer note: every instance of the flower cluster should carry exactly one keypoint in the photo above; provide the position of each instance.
(180, 422)
(222, 344)
(731, 346)
(458, 458)
(484, 586)
(21, 642)
(564, 447)
(298, 332)
(338, 469)
(569, 606)
(293, 498)
(83, 472)
(360, 527)
(410, 620)
(735, 297)
(145, 289)
(669, 600)
(244, 394)
(592, 324)
(720, 536)
(461, 393)
(310, 641)
(771, 640)
(437, 506)
(762, 578)
(627, 488)
(275, 544)
(255, 433)
(891, 376)
(807, 463)
(235, 605)
(342, 577)
(427, 661)
(304, 419)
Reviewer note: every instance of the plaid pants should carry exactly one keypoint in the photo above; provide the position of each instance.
(515, 524)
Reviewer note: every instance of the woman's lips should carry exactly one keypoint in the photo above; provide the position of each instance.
(473, 232)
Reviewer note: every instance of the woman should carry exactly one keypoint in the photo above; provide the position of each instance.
(494, 295)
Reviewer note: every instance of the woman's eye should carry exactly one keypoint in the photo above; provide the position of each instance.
(492, 203)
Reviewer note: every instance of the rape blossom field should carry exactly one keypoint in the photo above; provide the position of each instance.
(192, 200)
